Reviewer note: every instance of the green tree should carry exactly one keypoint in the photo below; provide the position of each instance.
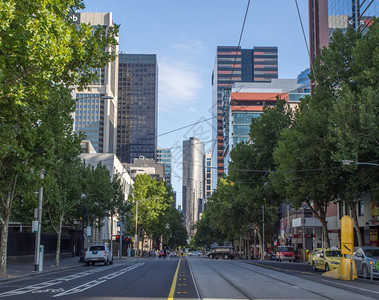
(41, 52)
(150, 201)
(353, 123)
(331, 125)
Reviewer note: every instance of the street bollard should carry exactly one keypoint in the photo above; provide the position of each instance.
(371, 277)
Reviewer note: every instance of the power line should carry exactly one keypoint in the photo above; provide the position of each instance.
(186, 126)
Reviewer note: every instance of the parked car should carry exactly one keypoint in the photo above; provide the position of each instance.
(312, 255)
(98, 253)
(194, 253)
(173, 254)
(363, 256)
(326, 259)
(285, 253)
(224, 252)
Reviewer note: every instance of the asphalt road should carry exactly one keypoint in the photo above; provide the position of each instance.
(128, 279)
(190, 278)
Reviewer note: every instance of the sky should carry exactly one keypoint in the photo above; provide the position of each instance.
(184, 35)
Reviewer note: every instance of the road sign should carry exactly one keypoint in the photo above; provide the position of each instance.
(35, 226)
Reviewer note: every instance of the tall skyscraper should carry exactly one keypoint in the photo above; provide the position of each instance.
(96, 106)
(234, 64)
(192, 197)
(137, 107)
(207, 176)
(164, 156)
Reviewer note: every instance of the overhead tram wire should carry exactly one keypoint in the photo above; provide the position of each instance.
(239, 43)
(305, 38)
(198, 122)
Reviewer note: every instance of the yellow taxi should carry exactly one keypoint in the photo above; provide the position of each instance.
(326, 259)
(312, 255)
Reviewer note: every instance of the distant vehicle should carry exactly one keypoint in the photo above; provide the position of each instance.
(285, 253)
(224, 252)
(173, 254)
(312, 255)
(363, 256)
(326, 259)
(98, 253)
(194, 253)
(162, 253)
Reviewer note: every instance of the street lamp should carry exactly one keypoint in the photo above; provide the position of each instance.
(38, 234)
(347, 162)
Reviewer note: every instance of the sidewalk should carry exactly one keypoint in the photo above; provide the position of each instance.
(25, 267)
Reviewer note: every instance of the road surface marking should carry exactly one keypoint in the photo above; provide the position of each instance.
(94, 283)
(173, 285)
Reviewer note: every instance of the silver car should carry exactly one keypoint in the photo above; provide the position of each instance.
(363, 256)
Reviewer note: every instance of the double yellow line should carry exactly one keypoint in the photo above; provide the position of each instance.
(173, 285)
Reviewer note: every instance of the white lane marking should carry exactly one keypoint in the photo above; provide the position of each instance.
(354, 287)
(34, 287)
(94, 283)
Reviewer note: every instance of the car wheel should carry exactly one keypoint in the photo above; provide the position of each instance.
(211, 256)
(106, 262)
(226, 256)
(327, 268)
(111, 262)
(87, 263)
(365, 273)
(93, 263)
(314, 268)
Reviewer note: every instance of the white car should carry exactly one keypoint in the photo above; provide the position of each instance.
(98, 253)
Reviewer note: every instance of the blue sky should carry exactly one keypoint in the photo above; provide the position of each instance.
(184, 36)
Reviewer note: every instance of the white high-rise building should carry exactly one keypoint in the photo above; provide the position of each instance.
(193, 170)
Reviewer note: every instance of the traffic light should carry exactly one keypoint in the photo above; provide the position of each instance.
(127, 240)
(117, 238)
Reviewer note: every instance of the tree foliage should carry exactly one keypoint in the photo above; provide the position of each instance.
(42, 55)
(339, 121)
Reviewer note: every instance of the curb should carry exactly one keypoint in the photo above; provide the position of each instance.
(35, 273)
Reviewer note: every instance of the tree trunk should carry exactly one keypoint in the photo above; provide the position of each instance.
(325, 233)
(59, 236)
(353, 209)
(260, 243)
(4, 243)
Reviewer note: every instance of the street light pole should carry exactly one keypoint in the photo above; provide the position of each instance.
(263, 232)
(136, 231)
(38, 235)
(303, 221)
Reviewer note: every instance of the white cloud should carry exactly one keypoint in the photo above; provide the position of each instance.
(178, 82)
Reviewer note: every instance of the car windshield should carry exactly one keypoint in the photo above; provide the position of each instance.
(286, 249)
(334, 253)
(96, 248)
(372, 252)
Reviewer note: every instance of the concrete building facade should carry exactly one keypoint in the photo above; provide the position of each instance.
(96, 106)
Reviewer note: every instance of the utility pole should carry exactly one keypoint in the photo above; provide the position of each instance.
(303, 221)
(38, 234)
(263, 232)
(136, 232)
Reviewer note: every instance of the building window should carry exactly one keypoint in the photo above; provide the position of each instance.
(361, 209)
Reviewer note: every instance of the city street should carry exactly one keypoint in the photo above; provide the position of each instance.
(191, 278)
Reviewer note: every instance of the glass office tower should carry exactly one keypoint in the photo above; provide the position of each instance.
(164, 156)
(234, 64)
(137, 107)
